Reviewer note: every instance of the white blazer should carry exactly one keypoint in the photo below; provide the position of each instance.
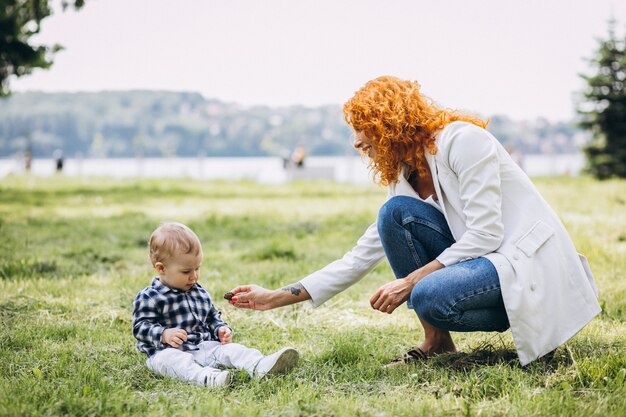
(493, 210)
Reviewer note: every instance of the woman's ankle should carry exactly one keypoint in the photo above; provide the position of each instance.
(438, 342)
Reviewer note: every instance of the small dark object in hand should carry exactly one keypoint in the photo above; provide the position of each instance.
(229, 295)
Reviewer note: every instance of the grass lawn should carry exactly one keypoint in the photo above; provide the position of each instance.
(73, 255)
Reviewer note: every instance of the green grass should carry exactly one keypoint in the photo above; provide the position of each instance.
(73, 255)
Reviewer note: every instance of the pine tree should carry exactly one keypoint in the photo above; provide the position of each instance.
(604, 109)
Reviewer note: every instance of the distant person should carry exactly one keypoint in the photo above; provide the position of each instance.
(58, 160)
(298, 156)
(28, 161)
(284, 156)
(472, 243)
(178, 327)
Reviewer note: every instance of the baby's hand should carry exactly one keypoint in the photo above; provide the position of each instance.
(225, 335)
(174, 337)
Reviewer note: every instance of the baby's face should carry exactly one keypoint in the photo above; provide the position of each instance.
(181, 271)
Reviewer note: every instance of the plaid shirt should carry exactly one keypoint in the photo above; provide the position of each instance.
(159, 307)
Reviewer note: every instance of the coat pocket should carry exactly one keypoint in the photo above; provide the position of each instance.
(534, 238)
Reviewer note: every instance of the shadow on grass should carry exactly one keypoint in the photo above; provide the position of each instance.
(490, 355)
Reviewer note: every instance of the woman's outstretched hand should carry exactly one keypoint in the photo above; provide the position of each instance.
(252, 296)
(391, 295)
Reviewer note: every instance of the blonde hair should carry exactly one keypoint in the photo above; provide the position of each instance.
(171, 239)
(401, 123)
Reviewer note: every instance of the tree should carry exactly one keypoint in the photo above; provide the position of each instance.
(604, 110)
(19, 21)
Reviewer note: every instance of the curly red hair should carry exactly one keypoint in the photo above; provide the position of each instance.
(401, 123)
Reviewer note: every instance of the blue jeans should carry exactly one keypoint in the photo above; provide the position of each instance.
(463, 297)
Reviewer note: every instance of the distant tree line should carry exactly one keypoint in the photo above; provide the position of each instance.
(156, 123)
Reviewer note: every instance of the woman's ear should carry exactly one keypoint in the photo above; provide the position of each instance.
(160, 267)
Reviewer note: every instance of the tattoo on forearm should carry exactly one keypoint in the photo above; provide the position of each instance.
(295, 289)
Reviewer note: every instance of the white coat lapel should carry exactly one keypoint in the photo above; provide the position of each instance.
(432, 164)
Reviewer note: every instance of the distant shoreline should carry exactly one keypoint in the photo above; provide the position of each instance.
(263, 169)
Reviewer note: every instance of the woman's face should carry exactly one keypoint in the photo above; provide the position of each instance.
(363, 144)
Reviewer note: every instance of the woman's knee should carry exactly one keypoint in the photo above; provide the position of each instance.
(395, 212)
(390, 215)
(399, 209)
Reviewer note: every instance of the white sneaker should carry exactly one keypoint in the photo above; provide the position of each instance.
(277, 363)
(217, 379)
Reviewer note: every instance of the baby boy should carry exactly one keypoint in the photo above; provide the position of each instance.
(178, 327)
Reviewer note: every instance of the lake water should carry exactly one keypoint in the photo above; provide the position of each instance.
(348, 169)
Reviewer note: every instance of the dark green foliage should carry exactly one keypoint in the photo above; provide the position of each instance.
(19, 21)
(604, 110)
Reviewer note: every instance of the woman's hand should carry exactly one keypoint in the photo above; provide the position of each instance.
(258, 298)
(391, 295)
(253, 297)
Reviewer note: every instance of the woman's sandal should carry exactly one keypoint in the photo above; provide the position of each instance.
(412, 356)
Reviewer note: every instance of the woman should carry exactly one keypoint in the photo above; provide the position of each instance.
(472, 243)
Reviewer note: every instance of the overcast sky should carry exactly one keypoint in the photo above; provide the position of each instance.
(513, 57)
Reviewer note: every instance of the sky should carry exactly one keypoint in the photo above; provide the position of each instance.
(512, 57)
